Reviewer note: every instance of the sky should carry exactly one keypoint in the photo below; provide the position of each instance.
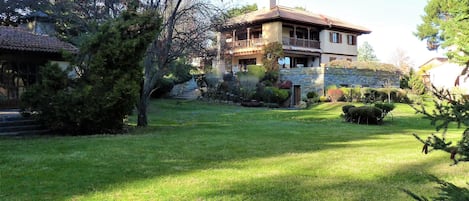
(392, 23)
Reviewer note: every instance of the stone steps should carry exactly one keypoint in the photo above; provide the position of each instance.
(13, 124)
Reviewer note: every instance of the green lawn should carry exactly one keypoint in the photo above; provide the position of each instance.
(201, 151)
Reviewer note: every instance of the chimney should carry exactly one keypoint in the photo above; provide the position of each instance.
(273, 3)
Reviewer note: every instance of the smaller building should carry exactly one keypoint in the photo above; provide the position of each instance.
(22, 53)
(444, 74)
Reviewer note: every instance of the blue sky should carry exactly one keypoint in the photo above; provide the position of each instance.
(392, 22)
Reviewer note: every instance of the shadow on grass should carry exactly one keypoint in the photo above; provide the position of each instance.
(294, 186)
(180, 141)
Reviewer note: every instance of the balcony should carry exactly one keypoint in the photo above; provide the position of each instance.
(254, 42)
(299, 42)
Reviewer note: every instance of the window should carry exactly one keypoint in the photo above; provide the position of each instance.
(351, 40)
(332, 59)
(335, 37)
(243, 63)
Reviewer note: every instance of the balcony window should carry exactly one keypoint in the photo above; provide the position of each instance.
(314, 35)
(301, 33)
(335, 37)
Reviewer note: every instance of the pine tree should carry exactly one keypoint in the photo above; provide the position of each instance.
(446, 24)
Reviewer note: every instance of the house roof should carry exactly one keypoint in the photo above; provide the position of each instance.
(290, 14)
(13, 38)
(435, 61)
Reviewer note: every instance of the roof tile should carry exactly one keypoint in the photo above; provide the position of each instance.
(285, 13)
(13, 38)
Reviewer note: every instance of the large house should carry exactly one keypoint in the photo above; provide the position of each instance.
(309, 42)
(308, 39)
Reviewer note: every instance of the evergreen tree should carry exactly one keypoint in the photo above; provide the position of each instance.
(108, 86)
(446, 24)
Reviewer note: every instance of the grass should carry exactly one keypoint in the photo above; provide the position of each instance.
(200, 151)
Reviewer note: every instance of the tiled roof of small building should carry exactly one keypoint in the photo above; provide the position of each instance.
(13, 38)
(291, 14)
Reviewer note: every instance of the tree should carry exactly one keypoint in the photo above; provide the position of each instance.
(241, 10)
(75, 20)
(366, 52)
(446, 24)
(12, 11)
(416, 83)
(108, 86)
(187, 26)
(402, 61)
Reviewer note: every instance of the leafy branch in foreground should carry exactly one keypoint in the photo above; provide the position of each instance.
(448, 108)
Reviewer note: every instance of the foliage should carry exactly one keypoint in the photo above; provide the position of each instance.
(367, 114)
(270, 78)
(446, 23)
(417, 85)
(335, 94)
(99, 100)
(385, 107)
(257, 71)
(312, 94)
(248, 85)
(449, 108)
(363, 114)
(179, 37)
(272, 52)
(241, 10)
(13, 11)
(448, 192)
(324, 99)
(367, 65)
(404, 81)
(179, 72)
(366, 53)
(275, 95)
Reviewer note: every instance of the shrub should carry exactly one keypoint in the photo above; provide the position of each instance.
(335, 94)
(323, 99)
(271, 77)
(286, 84)
(345, 110)
(257, 71)
(247, 86)
(385, 107)
(364, 115)
(347, 93)
(312, 94)
(275, 95)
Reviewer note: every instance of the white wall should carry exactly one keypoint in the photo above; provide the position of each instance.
(445, 75)
(337, 48)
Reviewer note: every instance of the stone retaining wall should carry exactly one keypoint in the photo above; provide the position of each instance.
(318, 78)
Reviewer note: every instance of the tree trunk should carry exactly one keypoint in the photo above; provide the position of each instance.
(142, 120)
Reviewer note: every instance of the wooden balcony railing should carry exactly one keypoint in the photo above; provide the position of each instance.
(254, 42)
(301, 42)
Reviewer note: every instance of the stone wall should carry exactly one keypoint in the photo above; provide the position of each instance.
(318, 78)
(360, 77)
(310, 79)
